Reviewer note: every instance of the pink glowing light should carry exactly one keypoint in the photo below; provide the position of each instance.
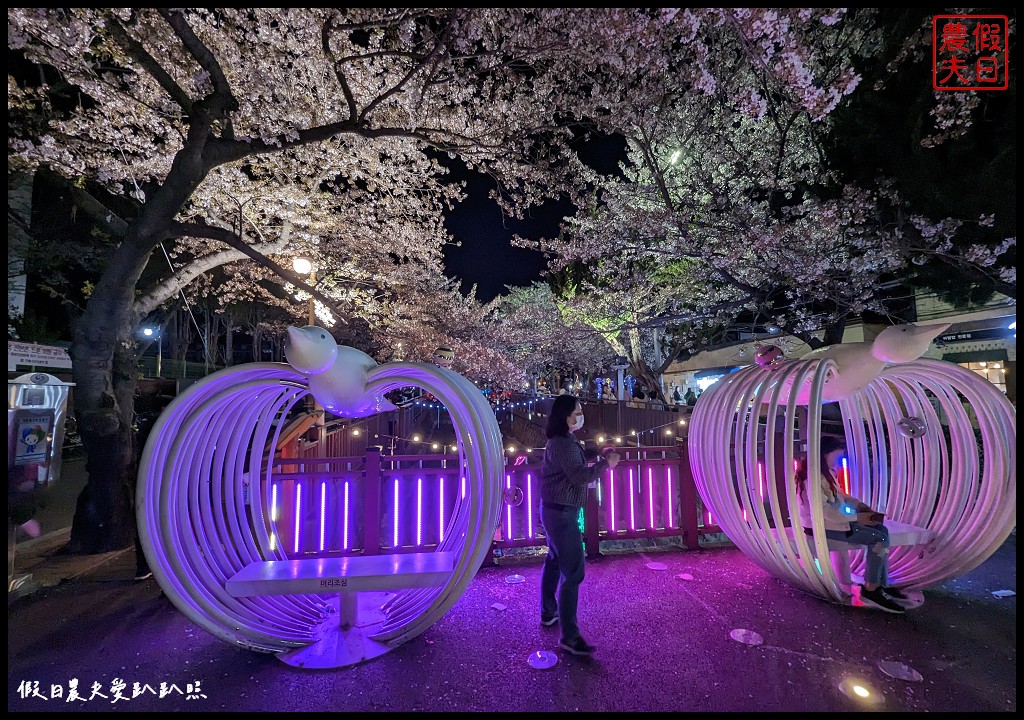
(529, 504)
(650, 495)
(611, 499)
(345, 520)
(440, 510)
(419, 511)
(668, 495)
(396, 514)
(632, 509)
(298, 513)
(508, 508)
(323, 513)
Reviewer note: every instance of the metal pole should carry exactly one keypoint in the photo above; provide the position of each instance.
(312, 300)
(159, 352)
(321, 429)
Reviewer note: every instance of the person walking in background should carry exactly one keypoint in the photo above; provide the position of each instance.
(852, 521)
(565, 477)
(690, 398)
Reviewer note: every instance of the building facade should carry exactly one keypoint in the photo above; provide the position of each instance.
(982, 339)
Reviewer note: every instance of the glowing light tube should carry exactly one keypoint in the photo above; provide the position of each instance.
(440, 509)
(298, 513)
(632, 511)
(395, 500)
(419, 511)
(344, 527)
(529, 505)
(650, 495)
(323, 513)
(611, 500)
(669, 497)
(508, 527)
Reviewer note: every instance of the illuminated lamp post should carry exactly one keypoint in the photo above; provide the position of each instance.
(148, 333)
(304, 266)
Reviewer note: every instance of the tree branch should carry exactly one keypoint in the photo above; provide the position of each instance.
(231, 239)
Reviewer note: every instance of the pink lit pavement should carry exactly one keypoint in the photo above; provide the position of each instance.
(664, 644)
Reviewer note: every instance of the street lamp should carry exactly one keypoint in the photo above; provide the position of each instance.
(304, 266)
(149, 332)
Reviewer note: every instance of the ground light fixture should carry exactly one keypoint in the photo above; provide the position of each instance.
(860, 691)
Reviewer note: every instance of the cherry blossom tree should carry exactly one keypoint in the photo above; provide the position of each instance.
(728, 212)
(532, 328)
(235, 139)
(254, 135)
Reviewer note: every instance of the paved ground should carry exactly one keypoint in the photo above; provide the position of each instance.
(663, 645)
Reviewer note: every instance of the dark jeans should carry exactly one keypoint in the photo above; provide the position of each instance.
(876, 538)
(565, 562)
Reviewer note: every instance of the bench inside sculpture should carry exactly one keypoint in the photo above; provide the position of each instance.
(323, 563)
(900, 535)
(344, 576)
(926, 440)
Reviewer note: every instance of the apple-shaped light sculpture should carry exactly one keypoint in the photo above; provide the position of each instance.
(929, 443)
(204, 511)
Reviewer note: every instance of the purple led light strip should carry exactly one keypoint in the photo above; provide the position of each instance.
(669, 495)
(611, 499)
(529, 504)
(632, 509)
(395, 539)
(440, 511)
(650, 495)
(323, 512)
(344, 521)
(419, 511)
(508, 486)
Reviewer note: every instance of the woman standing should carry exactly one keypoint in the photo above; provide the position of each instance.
(565, 476)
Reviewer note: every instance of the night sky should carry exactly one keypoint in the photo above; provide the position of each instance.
(486, 256)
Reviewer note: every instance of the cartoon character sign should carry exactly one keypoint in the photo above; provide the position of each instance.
(32, 436)
(32, 445)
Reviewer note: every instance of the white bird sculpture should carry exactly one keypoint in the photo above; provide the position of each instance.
(337, 373)
(859, 363)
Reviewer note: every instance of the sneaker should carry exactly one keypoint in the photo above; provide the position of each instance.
(878, 599)
(548, 621)
(145, 575)
(579, 646)
(898, 596)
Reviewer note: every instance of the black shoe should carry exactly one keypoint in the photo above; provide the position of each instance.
(898, 597)
(579, 646)
(878, 599)
(548, 621)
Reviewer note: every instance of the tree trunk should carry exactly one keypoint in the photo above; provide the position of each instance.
(229, 342)
(105, 373)
(19, 217)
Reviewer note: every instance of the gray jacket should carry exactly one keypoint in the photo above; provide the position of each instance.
(564, 473)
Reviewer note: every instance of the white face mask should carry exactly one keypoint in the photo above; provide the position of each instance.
(579, 423)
